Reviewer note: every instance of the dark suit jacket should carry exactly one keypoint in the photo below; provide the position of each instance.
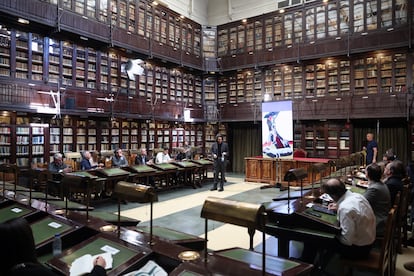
(224, 148)
(86, 165)
(138, 160)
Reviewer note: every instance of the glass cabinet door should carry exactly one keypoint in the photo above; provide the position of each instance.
(332, 20)
(233, 40)
(297, 27)
(223, 41)
(371, 14)
(278, 33)
(258, 41)
(241, 38)
(344, 17)
(288, 22)
(269, 33)
(320, 22)
(358, 16)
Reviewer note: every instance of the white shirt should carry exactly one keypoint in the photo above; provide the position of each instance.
(356, 219)
(162, 158)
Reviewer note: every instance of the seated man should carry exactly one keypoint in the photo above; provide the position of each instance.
(87, 162)
(378, 196)
(119, 159)
(395, 173)
(142, 158)
(163, 157)
(356, 219)
(181, 156)
(58, 166)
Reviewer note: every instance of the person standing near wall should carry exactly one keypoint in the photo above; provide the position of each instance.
(220, 151)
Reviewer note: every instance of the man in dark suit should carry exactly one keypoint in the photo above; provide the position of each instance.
(220, 151)
(142, 158)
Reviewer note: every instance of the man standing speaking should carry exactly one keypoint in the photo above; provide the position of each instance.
(220, 151)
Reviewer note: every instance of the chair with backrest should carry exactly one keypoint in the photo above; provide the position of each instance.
(394, 244)
(378, 261)
(405, 224)
(402, 212)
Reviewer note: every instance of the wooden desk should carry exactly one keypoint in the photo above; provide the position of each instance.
(288, 220)
(206, 165)
(189, 170)
(169, 173)
(272, 171)
(142, 171)
(190, 241)
(238, 261)
(128, 255)
(46, 228)
(112, 175)
(11, 210)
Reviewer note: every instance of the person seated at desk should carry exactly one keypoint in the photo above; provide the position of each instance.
(394, 173)
(187, 151)
(163, 157)
(389, 155)
(142, 158)
(356, 219)
(119, 159)
(181, 156)
(58, 166)
(87, 162)
(18, 257)
(378, 196)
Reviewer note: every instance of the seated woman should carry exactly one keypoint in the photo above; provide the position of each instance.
(18, 256)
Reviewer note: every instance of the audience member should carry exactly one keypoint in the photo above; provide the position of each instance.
(163, 157)
(356, 219)
(378, 196)
(58, 166)
(187, 151)
(142, 158)
(371, 149)
(220, 151)
(87, 162)
(18, 256)
(395, 173)
(119, 160)
(181, 155)
(389, 155)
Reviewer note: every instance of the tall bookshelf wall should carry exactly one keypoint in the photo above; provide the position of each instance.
(25, 140)
(64, 64)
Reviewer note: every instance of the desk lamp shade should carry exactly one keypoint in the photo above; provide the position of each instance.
(249, 215)
(134, 192)
(295, 174)
(233, 212)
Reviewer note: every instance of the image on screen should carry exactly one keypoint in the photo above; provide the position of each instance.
(277, 129)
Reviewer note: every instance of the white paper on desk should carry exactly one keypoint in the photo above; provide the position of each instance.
(326, 197)
(84, 264)
(151, 268)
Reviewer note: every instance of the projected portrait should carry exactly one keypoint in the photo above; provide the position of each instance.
(277, 130)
